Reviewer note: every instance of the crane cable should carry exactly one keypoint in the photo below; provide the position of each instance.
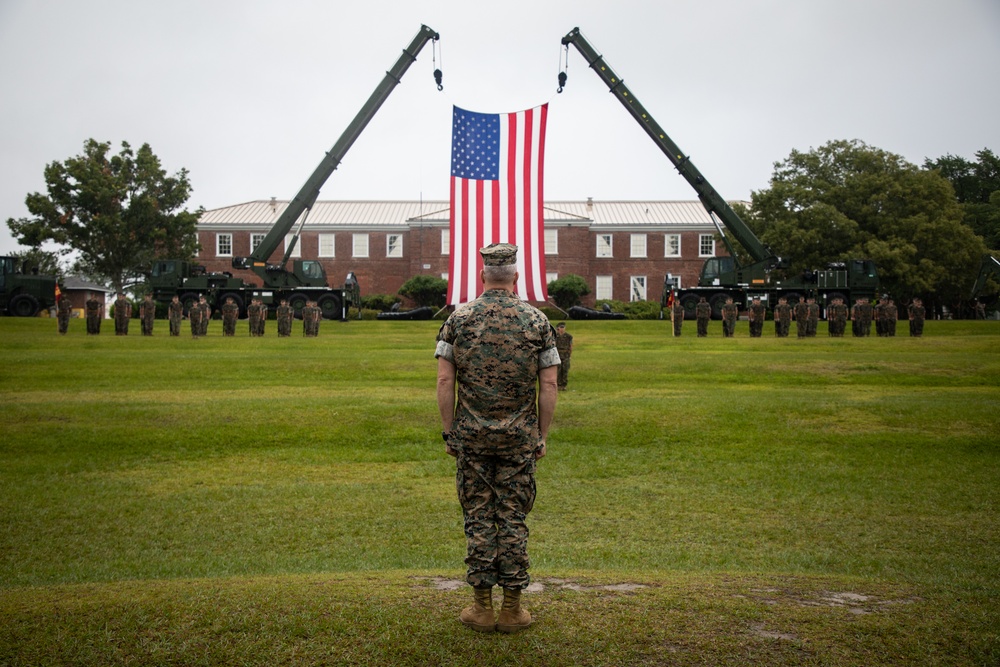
(437, 72)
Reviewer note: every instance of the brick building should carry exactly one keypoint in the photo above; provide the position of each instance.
(623, 249)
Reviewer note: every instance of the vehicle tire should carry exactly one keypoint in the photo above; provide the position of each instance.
(297, 301)
(187, 299)
(23, 305)
(690, 302)
(717, 301)
(330, 307)
(237, 299)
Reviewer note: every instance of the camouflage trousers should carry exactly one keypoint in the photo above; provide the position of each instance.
(562, 376)
(496, 494)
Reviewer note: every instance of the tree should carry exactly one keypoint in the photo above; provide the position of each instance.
(567, 290)
(119, 213)
(977, 187)
(46, 262)
(850, 200)
(426, 290)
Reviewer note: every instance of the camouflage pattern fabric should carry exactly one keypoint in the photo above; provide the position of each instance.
(175, 313)
(285, 315)
(497, 343)
(93, 308)
(677, 317)
(836, 317)
(702, 314)
(253, 318)
(63, 310)
(756, 315)
(194, 316)
(206, 315)
(123, 311)
(730, 313)
(917, 313)
(782, 320)
(230, 313)
(891, 317)
(564, 345)
(147, 314)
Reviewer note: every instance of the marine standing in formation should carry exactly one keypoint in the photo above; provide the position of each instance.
(836, 317)
(756, 314)
(230, 313)
(194, 317)
(917, 314)
(564, 345)
(147, 314)
(123, 312)
(495, 350)
(284, 315)
(891, 317)
(94, 314)
(310, 320)
(802, 318)
(175, 313)
(206, 315)
(702, 314)
(813, 317)
(782, 318)
(63, 310)
(879, 314)
(254, 315)
(730, 313)
(677, 316)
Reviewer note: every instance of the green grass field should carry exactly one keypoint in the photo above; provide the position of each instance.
(266, 501)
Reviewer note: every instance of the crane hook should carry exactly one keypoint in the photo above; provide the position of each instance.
(562, 82)
(437, 79)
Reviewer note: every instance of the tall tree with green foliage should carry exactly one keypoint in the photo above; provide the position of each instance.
(118, 212)
(849, 200)
(977, 187)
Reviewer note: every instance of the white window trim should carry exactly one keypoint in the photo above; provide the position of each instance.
(399, 253)
(445, 241)
(610, 286)
(712, 239)
(332, 245)
(551, 241)
(255, 235)
(666, 245)
(298, 245)
(354, 245)
(610, 245)
(632, 245)
(632, 288)
(218, 245)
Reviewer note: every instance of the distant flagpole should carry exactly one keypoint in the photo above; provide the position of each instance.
(497, 197)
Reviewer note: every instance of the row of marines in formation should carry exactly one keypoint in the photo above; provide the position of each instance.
(805, 314)
(198, 315)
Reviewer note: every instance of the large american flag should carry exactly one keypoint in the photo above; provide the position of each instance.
(496, 197)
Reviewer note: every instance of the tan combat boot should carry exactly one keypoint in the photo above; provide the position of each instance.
(479, 616)
(512, 617)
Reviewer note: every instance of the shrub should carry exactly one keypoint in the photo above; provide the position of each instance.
(426, 290)
(567, 290)
(379, 302)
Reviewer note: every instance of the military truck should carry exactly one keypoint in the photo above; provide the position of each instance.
(766, 275)
(307, 279)
(23, 292)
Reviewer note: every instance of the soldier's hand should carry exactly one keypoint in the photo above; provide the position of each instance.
(540, 450)
(450, 451)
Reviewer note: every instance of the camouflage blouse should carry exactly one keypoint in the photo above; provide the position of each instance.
(498, 343)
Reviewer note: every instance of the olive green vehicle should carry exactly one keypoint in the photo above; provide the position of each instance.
(766, 275)
(23, 292)
(306, 280)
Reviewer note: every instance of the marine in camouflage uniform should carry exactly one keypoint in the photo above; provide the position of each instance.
(285, 314)
(206, 315)
(495, 350)
(917, 314)
(310, 326)
(123, 312)
(230, 313)
(801, 318)
(63, 310)
(813, 317)
(891, 317)
(194, 316)
(836, 317)
(564, 345)
(262, 322)
(677, 316)
(756, 314)
(147, 314)
(879, 313)
(253, 316)
(93, 308)
(730, 313)
(175, 313)
(702, 314)
(865, 315)
(782, 318)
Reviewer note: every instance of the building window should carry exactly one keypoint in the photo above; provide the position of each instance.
(603, 291)
(638, 288)
(604, 248)
(327, 246)
(706, 245)
(297, 251)
(255, 241)
(445, 241)
(638, 245)
(394, 245)
(444, 276)
(551, 241)
(551, 277)
(223, 245)
(360, 245)
(672, 245)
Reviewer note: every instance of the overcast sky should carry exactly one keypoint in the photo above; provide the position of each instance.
(247, 95)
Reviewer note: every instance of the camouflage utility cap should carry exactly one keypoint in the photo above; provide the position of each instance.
(499, 254)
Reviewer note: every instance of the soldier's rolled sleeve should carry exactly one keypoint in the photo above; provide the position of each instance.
(549, 357)
(445, 351)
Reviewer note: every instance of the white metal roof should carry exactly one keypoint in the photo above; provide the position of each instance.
(373, 214)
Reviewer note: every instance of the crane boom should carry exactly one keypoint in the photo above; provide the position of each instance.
(306, 197)
(710, 198)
